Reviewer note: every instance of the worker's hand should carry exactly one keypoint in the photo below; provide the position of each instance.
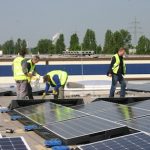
(29, 75)
(54, 92)
(43, 96)
(109, 75)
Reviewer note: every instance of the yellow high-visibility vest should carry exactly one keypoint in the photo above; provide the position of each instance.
(61, 74)
(32, 66)
(115, 67)
(17, 69)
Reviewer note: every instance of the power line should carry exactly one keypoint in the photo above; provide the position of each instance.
(136, 30)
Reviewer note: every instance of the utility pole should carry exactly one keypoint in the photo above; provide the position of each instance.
(136, 30)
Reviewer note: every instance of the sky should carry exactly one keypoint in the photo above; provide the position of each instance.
(36, 19)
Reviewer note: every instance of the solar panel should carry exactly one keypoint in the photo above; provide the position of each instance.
(95, 106)
(120, 112)
(141, 124)
(137, 141)
(139, 87)
(49, 113)
(14, 143)
(75, 130)
(142, 104)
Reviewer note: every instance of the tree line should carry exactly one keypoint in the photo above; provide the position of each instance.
(113, 41)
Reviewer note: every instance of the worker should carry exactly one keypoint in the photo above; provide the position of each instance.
(32, 70)
(56, 79)
(20, 73)
(116, 70)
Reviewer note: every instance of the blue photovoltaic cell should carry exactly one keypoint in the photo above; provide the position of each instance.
(137, 141)
(16, 143)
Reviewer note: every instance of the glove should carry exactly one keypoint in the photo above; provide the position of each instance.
(43, 96)
(54, 92)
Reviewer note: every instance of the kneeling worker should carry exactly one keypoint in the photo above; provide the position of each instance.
(56, 79)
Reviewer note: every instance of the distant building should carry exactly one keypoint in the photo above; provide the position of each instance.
(79, 53)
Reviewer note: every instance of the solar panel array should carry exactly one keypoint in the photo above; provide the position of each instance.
(82, 126)
(14, 143)
(112, 111)
(48, 112)
(121, 112)
(75, 125)
(137, 141)
(95, 106)
(67, 123)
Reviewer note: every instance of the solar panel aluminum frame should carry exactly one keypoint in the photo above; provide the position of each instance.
(80, 146)
(123, 129)
(22, 138)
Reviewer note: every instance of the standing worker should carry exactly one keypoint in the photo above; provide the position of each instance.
(56, 79)
(116, 70)
(20, 72)
(32, 70)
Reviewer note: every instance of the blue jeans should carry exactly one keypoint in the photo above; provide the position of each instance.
(115, 79)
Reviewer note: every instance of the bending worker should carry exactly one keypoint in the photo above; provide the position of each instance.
(21, 75)
(32, 70)
(116, 70)
(56, 79)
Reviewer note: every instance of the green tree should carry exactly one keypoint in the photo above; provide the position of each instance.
(60, 45)
(74, 42)
(89, 41)
(117, 41)
(34, 50)
(45, 46)
(143, 46)
(20, 45)
(113, 41)
(8, 47)
(126, 37)
(108, 44)
(98, 49)
(24, 44)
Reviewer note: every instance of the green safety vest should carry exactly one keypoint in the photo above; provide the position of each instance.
(17, 69)
(32, 66)
(115, 67)
(61, 74)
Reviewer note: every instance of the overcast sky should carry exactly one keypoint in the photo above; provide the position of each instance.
(36, 19)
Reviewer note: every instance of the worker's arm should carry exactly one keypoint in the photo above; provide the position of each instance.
(24, 67)
(110, 71)
(47, 88)
(57, 81)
